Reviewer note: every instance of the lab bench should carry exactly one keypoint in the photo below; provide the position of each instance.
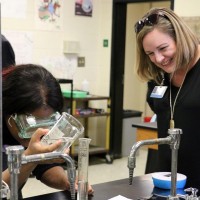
(142, 188)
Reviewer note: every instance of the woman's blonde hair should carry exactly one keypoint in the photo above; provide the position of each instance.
(186, 43)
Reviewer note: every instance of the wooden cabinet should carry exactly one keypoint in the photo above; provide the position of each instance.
(82, 110)
(146, 134)
(147, 131)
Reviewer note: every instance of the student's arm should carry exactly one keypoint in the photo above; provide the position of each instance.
(35, 147)
(56, 177)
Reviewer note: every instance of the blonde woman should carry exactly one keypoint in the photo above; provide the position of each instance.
(168, 59)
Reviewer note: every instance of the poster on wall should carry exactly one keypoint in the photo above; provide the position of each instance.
(193, 23)
(48, 14)
(61, 66)
(84, 7)
(19, 39)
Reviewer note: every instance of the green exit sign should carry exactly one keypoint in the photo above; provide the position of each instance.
(105, 43)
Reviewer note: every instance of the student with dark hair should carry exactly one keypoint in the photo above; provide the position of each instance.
(31, 90)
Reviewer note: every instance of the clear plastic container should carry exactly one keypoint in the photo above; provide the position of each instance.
(67, 129)
(85, 86)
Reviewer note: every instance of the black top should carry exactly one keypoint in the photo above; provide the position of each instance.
(186, 117)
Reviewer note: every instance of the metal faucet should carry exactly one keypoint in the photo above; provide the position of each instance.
(174, 141)
(16, 159)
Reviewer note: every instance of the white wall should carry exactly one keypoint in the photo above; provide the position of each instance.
(188, 8)
(48, 44)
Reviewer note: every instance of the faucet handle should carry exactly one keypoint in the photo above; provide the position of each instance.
(192, 190)
(193, 195)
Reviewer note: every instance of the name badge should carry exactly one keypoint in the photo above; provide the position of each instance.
(158, 92)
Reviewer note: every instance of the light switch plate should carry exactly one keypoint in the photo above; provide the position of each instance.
(81, 61)
(105, 43)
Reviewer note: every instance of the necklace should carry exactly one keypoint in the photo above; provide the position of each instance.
(172, 107)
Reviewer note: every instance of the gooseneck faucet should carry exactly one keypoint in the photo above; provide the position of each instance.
(174, 141)
(16, 159)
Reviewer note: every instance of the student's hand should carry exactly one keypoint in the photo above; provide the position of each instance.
(90, 189)
(67, 151)
(36, 147)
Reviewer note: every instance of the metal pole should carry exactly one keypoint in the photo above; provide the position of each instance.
(174, 172)
(14, 155)
(176, 137)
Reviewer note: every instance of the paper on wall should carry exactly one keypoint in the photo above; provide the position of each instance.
(13, 9)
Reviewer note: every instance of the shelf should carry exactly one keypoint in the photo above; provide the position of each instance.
(79, 107)
(92, 150)
(92, 115)
(90, 98)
